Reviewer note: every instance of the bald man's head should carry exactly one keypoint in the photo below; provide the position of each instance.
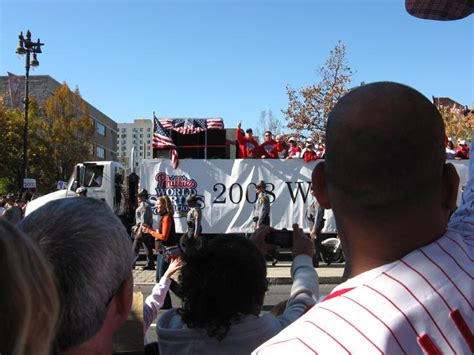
(385, 148)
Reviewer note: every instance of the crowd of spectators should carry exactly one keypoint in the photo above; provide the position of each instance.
(282, 147)
(461, 151)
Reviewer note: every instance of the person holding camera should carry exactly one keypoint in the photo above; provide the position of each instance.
(193, 218)
(261, 209)
(261, 216)
(223, 288)
(143, 216)
(165, 238)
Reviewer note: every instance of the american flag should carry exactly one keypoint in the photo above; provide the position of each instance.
(191, 125)
(161, 139)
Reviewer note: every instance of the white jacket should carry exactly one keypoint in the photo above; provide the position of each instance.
(174, 337)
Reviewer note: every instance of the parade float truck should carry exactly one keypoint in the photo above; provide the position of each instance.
(225, 186)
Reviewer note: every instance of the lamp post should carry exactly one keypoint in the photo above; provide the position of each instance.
(28, 47)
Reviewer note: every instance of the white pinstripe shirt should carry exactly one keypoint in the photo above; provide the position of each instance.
(422, 303)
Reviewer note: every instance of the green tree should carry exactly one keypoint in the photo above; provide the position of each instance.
(12, 123)
(308, 107)
(66, 133)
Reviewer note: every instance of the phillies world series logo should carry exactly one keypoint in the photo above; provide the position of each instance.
(177, 188)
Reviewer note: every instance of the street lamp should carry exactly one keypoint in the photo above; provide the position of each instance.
(28, 47)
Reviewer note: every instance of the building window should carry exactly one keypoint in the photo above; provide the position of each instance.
(148, 142)
(148, 129)
(124, 147)
(134, 141)
(148, 135)
(99, 128)
(124, 136)
(141, 135)
(100, 152)
(141, 147)
(134, 136)
(148, 153)
(141, 129)
(124, 130)
(135, 129)
(124, 141)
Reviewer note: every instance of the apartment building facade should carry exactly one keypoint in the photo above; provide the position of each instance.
(138, 134)
(103, 143)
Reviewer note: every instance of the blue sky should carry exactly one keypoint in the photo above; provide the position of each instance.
(230, 58)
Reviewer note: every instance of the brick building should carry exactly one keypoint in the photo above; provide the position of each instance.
(103, 144)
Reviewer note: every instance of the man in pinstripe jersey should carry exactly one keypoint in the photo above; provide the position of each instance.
(409, 274)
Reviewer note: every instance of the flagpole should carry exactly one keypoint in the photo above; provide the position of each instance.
(205, 145)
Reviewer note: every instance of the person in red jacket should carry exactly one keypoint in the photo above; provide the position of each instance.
(269, 147)
(309, 153)
(248, 146)
(282, 147)
(294, 151)
(462, 151)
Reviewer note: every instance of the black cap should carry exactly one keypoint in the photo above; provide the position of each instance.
(143, 193)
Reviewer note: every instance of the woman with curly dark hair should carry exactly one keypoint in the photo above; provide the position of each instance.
(223, 286)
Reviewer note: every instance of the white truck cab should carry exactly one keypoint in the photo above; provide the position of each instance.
(103, 180)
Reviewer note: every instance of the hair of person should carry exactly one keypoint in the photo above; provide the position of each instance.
(91, 255)
(13, 215)
(29, 304)
(269, 132)
(166, 201)
(221, 282)
(385, 148)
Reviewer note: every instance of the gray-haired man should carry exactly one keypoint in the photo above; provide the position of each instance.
(91, 255)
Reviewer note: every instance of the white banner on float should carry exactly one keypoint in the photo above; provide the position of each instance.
(227, 189)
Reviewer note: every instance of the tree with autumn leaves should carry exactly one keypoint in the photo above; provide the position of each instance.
(458, 121)
(309, 107)
(59, 135)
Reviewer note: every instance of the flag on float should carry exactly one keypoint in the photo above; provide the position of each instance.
(191, 125)
(162, 139)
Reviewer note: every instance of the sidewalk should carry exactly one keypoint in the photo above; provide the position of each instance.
(277, 275)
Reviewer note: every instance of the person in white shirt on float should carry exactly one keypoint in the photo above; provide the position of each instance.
(409, 274)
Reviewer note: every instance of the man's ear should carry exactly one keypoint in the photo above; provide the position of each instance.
(318, 179)
(450, 187)
(123, 301)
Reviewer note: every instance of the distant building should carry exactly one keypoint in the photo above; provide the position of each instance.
(103, 144)
(138, 134)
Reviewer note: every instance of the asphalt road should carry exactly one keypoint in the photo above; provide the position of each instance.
(275, 294)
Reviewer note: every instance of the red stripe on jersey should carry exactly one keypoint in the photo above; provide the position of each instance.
(381, 321)
(456, 262)
(423, 306)
(337, 293)
(286, 341)
(463, 328)
(428, 346)
(428, 282)
(396, 307)
(447, 276)
(327, 333)
(460, 247)
(353, 326)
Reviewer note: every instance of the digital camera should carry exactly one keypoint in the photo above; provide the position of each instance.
(283, 238)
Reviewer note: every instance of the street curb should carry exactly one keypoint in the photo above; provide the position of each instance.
(326, 280)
